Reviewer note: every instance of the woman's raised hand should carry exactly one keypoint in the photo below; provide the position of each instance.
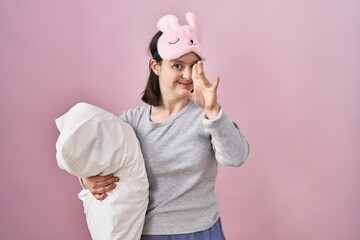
(100, 185)
(204, 93)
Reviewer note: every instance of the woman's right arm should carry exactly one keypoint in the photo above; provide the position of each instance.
(100, 185)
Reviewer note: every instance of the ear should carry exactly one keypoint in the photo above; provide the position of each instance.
(155, 66)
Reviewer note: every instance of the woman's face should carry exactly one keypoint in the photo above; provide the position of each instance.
(175, 75)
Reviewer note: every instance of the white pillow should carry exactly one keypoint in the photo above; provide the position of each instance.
(93, 141)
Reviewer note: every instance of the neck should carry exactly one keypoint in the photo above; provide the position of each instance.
(167, 109)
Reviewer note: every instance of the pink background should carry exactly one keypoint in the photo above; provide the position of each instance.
(290, 78)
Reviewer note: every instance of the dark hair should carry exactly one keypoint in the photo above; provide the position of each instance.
(151, 94)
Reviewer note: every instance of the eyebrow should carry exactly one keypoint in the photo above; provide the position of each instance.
(175, 61)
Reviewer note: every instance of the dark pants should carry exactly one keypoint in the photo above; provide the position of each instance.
(213, 233)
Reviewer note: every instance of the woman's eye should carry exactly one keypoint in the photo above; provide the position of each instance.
(177, 66)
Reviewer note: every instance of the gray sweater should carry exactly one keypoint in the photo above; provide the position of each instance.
(181, 157)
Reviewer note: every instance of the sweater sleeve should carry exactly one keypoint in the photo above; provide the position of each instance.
(230, 146)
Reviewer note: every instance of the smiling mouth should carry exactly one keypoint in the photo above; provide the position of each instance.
(185, 83)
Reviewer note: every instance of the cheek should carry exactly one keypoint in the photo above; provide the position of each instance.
(170, 76)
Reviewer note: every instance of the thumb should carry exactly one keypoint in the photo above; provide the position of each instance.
(186, 93)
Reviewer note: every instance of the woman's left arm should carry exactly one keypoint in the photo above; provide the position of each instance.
(230, 146)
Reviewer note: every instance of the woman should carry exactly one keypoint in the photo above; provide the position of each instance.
(184, 133)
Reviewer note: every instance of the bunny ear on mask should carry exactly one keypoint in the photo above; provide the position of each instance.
(167, 23)
(177, 40)
(192, 20)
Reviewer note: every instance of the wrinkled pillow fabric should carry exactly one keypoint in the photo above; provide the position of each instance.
(93, 141)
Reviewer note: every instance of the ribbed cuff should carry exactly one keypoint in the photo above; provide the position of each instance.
(82, 183)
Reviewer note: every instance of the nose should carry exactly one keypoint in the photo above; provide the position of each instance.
(187, 73)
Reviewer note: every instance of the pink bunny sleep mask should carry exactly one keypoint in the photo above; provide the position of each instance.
(177, 40)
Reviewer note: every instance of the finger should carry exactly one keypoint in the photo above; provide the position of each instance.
(200, 69)
(107, 182)
(201, 73)
(194, 74)
(99, 178)
(104, 178)
(216, 83)
(103, 190)
(94, 185)
(100, 196)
